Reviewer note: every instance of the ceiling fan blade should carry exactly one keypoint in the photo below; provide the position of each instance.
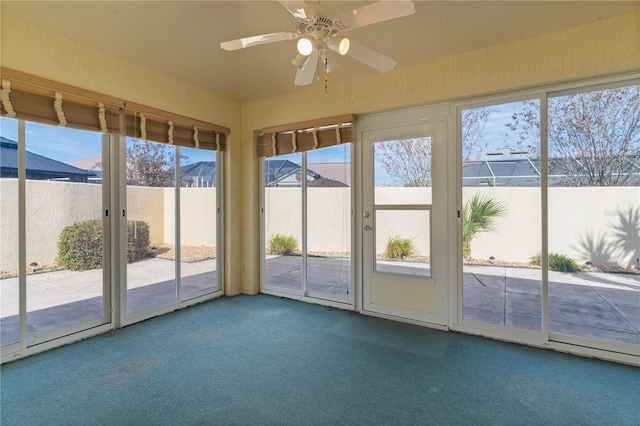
(299, 9)
(377, 12)
(370, 57)
(241, 43)
(305, 75)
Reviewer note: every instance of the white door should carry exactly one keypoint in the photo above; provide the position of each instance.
(404, 218)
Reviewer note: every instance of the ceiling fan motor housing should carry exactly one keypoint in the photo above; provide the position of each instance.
(320, 28)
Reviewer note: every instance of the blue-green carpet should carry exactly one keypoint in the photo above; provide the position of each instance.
(261, 360)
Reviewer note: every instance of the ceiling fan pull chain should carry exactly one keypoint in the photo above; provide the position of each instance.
(326, 75)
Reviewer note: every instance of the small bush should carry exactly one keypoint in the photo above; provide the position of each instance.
(137, 240)
(398, 247)
(557, 262)
(80, 245)
(282, 244)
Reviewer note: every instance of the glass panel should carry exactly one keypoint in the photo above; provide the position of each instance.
(9, 321)
(64, 227)
(150, 224)
(198, 220)
(283, 221)
(403, 242)
(594, 215)
(329, 222)
(402, 171)
(501, 222)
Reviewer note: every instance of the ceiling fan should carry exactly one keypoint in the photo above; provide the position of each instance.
(320, 35)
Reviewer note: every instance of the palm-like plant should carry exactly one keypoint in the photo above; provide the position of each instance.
(479, 215)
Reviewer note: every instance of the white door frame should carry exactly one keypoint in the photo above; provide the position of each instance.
(423, 121)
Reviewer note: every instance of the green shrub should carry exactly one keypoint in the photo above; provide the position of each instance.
(137, 240)
(80, 245)
(398, 247)
(282, 244)
(557, 262)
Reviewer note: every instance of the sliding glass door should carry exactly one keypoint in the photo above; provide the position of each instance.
(60, 217)
(172, 226)
(10, 329)
(283, 223)
(594, 215)
(307, 224)
(55, 232)
(550, 217)
(328, 224)
(65, 225)
(199, 210)
(501, 218)
(151, 197)
(99, 230)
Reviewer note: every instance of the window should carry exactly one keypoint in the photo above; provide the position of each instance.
(307, 223)
(563, 235)
(307, 208)
(594, 214)
(198, 221)
(61, 211)
(402, 204)
(9, 234)
(501, 222)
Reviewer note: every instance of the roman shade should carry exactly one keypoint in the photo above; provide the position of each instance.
(305, 136)
(32, 98)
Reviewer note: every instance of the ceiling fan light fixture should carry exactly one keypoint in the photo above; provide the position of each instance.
(343, 47)
(340, 46)
(305, 46)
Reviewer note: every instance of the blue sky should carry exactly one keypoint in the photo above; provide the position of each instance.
(67, 145)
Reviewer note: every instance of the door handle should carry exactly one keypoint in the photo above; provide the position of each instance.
(368, 228)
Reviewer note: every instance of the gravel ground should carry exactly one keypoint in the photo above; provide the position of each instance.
(188, 253)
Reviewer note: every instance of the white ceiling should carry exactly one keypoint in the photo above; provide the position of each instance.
(182, 38)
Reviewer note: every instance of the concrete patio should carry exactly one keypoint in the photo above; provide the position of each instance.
(60, 299)
(595, 305)
(603, 306)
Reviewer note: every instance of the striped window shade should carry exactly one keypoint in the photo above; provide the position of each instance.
(153, 125)
(32, 98)
(305, 136)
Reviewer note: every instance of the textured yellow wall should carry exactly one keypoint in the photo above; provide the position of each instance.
(34, 50)
(597, 49)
